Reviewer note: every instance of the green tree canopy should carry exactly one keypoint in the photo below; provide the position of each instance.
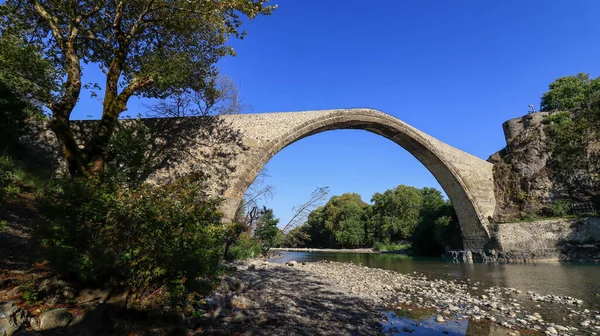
(569, 92)
(338, 223)
(266, 229)
(395, 213)
(26, 82)
(149, 48)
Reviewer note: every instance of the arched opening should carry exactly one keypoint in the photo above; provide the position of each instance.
(449, 166)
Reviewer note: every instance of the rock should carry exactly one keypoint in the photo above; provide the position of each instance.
(88, 295)
(11, 318)
(54, 290)
(585, 323)
(55, 318)
(239, 301)
(440, 319)
(292, 263)
(234, 284)
(551, 331)
(561, 328)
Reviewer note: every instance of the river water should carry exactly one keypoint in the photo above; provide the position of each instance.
(578, 280)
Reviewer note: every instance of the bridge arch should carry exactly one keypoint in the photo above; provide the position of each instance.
(466, 179)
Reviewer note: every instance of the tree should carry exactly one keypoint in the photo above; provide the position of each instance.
(224, 98)
(438, 226)
(148, 48)
(266, 229)
(302, 211)
(394, 214)
(573, 133)
(569, 92)
(249, 210)
(26, 80)
(338, 223)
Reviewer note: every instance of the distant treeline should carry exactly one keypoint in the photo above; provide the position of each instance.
(396, 217)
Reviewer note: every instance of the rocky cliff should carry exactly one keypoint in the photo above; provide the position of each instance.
(533, 180)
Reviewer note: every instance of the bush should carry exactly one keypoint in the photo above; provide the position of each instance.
(380, 246)
(560, 208)
(144, 238)
(245, 247)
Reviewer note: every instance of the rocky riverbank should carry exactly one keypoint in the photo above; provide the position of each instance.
(306, 249)
(329, 298)
(340, 298)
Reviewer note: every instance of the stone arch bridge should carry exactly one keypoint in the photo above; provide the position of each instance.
(466, 179)
(234, 148)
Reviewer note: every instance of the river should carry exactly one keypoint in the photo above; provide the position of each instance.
(578, 280)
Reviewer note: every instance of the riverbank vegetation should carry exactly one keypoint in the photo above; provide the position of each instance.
(396, 219)
(562, 178)
(99, 224)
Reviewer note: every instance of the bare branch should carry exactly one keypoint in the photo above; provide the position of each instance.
(302, 211)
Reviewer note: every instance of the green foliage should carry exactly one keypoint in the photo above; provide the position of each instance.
(394, 214)
(150, 236)
(399, 214)
(572, 132)
(30, 292)
(567, 93)
(25, 85)
(266, 230)
(338, 223)
(9, 180)
(129, 152)
(297, 237)
(438, 227)
(153, 49)
(245, 247)
(379, 246)
(560, 208)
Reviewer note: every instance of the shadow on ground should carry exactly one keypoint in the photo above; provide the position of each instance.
(288, 301)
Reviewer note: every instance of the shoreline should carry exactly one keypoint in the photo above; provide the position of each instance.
(318, 295)
(306, 249)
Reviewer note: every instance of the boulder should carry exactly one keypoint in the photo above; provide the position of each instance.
(234, 284)
(11, 318)
(54, 290)
(292, 263)
(240, 301)
(55, 318)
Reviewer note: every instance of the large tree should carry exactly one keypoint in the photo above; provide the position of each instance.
(395, 214)
(26, 80)
(569, 92)
(147, 48)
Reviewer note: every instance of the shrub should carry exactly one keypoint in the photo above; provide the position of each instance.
(145, 237)
(560, 208)
(381, 246)
(245, 247)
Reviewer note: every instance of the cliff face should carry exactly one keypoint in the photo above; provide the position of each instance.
(528, 183)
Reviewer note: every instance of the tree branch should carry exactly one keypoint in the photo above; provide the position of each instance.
(51, 21)
(133, 87)
(140, 20)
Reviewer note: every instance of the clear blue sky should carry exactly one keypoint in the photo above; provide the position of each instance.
(454, 69)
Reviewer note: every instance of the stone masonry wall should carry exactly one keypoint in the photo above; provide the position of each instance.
(550, 238)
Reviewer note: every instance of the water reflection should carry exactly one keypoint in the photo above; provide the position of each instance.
(423, 322)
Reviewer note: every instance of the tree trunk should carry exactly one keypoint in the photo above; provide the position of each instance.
(68, 145)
